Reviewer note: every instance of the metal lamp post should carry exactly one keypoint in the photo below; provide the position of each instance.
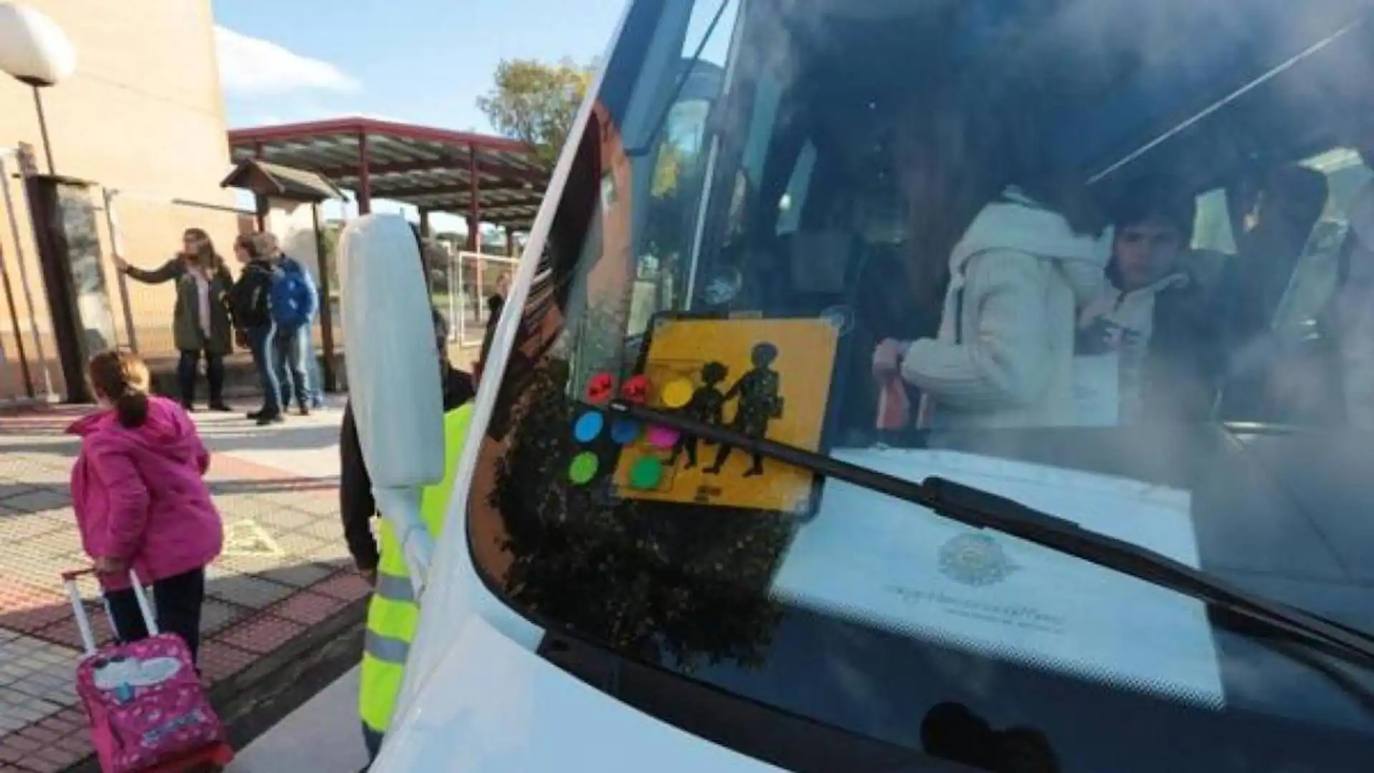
(37, 52)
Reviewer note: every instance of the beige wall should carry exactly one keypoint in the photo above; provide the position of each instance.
(142, 114)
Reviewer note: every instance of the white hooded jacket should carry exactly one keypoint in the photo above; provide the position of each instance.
(1004, 353)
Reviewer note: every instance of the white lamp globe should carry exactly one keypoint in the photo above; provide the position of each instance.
(32, 47)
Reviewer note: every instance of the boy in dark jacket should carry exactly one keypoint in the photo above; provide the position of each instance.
(1153, 315)
(250, 300)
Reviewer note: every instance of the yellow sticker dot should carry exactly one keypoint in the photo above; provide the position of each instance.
(677, 393)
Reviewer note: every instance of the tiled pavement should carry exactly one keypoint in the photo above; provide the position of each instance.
(285, 567)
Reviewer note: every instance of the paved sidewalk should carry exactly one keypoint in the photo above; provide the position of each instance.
(285, 569)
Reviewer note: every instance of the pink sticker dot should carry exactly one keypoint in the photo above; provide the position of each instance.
(662, 437)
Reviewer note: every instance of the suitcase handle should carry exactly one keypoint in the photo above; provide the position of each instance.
(83, 623)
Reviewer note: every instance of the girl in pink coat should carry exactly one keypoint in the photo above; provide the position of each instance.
(141, 502)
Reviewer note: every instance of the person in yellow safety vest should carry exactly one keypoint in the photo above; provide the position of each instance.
(392, 613)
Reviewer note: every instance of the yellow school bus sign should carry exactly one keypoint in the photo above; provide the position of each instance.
(760, 377)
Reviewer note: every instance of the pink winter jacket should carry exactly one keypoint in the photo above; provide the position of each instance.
(139, 495)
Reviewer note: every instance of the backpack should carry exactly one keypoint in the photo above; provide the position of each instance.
(293, 296)
(249, 297)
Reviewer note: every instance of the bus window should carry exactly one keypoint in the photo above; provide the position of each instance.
(792, 201)
(1055, 249)
(1213, 228)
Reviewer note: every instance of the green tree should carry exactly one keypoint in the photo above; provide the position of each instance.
(535, 103)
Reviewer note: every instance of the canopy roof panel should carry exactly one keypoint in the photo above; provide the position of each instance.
(433, 169)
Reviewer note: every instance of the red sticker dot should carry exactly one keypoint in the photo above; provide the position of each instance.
(635, 389)
(600, 388)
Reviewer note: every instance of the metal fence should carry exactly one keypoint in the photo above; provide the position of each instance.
(464, 286)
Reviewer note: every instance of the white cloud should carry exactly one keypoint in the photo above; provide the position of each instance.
(256, 67)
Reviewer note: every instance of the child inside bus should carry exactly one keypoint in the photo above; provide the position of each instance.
(1003, 356)
(1152, 314)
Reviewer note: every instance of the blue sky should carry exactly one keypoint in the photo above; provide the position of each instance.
(419, 61)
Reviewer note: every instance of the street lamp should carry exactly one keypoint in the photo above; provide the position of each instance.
(37, 52)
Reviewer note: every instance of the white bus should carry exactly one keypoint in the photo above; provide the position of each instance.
(1102, 259)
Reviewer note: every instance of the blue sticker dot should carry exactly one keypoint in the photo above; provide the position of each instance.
(588, 426)
(624, 431)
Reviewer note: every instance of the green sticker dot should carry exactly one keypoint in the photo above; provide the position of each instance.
(583, 467)
(646, 473)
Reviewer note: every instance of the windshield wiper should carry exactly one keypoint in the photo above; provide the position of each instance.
(985, 510)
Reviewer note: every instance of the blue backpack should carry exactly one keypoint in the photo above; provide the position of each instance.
(293, 295)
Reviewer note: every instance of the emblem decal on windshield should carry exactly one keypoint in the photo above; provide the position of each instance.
(975, 559)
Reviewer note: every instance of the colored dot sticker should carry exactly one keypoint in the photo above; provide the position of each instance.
(588, 426)
(624, 431)
(600, 388)
(583, 468)
(662, 437)
(646, 473)
(635, 389)
(677, 393)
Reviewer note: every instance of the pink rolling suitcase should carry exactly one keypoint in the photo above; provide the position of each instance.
(144, 700)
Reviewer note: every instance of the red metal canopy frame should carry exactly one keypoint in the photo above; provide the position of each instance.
(483, 178)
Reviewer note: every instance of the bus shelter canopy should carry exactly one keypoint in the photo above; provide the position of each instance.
(483, 178)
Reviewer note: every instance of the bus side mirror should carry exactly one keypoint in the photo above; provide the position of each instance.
(393, 375)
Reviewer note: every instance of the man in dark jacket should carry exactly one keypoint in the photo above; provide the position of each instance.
(250, 300)
(356, 504)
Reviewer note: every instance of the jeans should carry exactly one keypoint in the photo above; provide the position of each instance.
(214, 373)
(316, 381)
(292, 370)
(260, 342)
(176, 601)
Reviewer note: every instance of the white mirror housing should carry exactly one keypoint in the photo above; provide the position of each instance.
(394, 380)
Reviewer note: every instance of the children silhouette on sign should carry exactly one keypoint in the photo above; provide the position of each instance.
(760, 401)
(705, 406)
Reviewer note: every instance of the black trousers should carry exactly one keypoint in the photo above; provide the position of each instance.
(176, 601)
(214, 373)
(373, 741)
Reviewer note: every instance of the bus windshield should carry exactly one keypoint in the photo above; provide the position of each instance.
(1112, 260)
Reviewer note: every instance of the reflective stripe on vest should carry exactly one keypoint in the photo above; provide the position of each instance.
(394, 588)
(386, 648)
(392, 614)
